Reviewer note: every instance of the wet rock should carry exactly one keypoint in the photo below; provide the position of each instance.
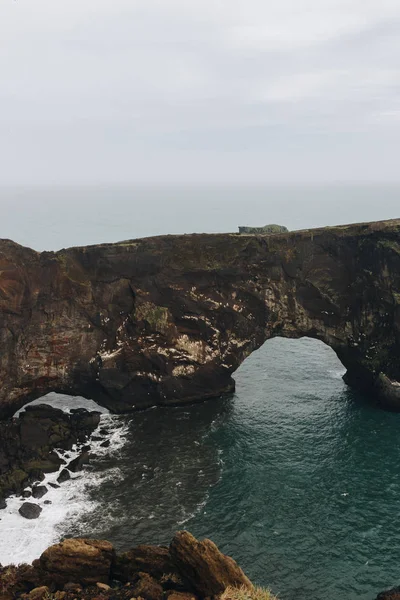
(3, 504)
(47, 502)
(148, 559)
(203, 567)
(28, 510)
(105, 444)
(82, 561)
(26, 494)
(38, 491)
(64, 476)
(78, 463)
(147, 587)
(54, 485)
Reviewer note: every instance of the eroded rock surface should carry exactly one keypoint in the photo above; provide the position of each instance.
(167, 320)
(203, 566)
(76, 560)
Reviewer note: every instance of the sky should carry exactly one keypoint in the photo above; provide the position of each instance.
(199, 91)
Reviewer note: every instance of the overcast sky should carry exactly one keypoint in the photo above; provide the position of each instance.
(210, 91)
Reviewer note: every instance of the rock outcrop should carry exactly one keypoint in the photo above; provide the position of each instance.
(148, 572)
(167, 320)
(203, 567)
(27, 445)
(76, 560)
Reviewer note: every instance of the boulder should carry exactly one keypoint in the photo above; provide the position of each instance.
(28, 510)
(78, 463)
(82, 561)
(205, 569)
(3, 504)
(39, 593)
(38, 491)
(64, 476)
(147, 587)
(155, 560)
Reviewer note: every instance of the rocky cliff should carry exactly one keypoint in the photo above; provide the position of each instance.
(167, 320)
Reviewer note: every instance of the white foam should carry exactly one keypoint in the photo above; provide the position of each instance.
(23, 540)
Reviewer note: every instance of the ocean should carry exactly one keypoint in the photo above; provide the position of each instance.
(294, 475)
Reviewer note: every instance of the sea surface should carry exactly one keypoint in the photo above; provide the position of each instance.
(294, 475)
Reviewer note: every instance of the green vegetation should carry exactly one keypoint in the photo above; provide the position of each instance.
(156, 316)
(245, 593)
(266, 229)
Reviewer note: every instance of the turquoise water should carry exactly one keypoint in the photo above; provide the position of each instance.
(295, 476)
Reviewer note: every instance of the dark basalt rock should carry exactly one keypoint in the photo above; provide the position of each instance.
(54, 485)
(39, 491)
(167, 320)
(27, 443)
(64, 476)
(29, 510)
(78, 463)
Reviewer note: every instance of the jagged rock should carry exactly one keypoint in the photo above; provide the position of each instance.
(28, 510)
(79, 462)
(147, 587)
(207, 571)
(82, 561)
(54, 485)
(105, 444)
(38, 491)
(64, 476)
(169, 319)
(155, 560)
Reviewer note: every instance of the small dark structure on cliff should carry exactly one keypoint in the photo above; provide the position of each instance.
(266, 229)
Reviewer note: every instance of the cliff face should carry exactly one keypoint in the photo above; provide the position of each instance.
(169, 319)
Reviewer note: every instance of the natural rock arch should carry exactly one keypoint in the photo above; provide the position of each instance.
(167, 320)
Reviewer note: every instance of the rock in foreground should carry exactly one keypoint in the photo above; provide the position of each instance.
(81, 569)
(81, 561)
(207, 571)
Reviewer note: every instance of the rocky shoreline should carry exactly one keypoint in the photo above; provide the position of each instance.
(84, 569)
(31, 446)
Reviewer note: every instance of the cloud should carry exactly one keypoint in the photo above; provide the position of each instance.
(91, 88)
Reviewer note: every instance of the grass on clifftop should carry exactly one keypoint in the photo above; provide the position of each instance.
(244, 593)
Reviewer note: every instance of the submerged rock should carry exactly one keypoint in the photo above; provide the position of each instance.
(28, 510)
